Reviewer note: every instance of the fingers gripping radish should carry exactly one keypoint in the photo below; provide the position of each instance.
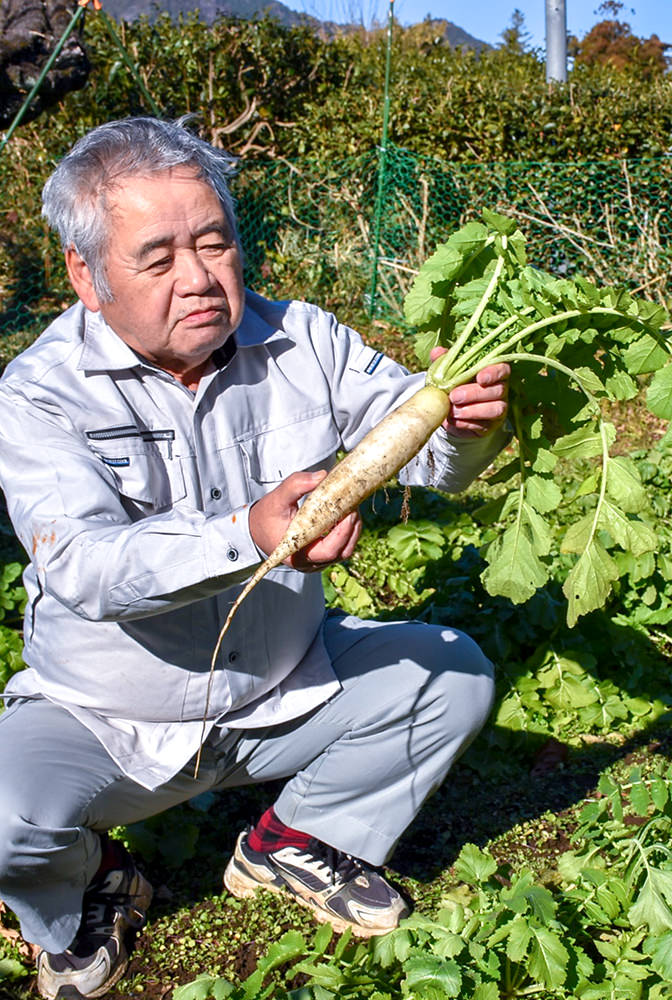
(387, 447)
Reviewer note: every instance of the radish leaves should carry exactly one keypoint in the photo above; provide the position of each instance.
(574, 349)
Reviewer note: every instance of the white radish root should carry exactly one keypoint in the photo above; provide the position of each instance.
(387, 447)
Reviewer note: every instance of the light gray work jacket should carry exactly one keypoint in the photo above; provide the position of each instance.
(131, 494)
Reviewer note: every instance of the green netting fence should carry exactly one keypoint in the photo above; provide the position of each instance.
(308, 230)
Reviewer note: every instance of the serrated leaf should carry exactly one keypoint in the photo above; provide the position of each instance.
(544, 461)
(608, 950)
(516, 897)
(650, 313)
(444, 264)
(383, 947)
(541, 903)
(603, 991)
(204, 987)
(518, 939)
(317, 992)
(589, 485)
(515, 569)
(577, 536)
(449, 945)
(640, 798)
(542, 494)
(624, 484)
(620, 385)
(659, 949)
(469, 296)
(469, 238)
(323, 936)
(589, 380)
(486, 991)
(453, 917)
(474, 866)
(288, 947)
(548, 958)
(429, 971)
(588, 583)
(660, 793)
(509, 714)
(416, 543)
(328, 976)
(421, 304)
(500, 223)
(645, 355)
(570, 865)
(659, 393)
(630, 534)
(424, 343)
(584, 442)
(651, 907)
(403, 944)
(572, 693)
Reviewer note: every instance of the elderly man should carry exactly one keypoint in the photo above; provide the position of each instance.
(155, 442)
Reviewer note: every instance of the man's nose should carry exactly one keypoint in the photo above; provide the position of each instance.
(192, 274)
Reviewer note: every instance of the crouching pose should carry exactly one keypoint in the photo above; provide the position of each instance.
(155, 442)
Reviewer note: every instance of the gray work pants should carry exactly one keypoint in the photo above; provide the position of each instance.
(359, 767)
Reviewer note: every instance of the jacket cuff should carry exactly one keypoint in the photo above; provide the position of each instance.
(227, 543)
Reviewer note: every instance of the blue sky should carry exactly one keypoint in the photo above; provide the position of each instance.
(486, 19)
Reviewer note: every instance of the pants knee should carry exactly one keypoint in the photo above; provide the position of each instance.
(465, 681)
(15, 838)
(28, 832)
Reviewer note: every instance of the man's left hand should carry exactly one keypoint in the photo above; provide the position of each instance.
(478, 407)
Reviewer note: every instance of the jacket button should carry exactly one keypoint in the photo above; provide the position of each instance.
(232, 554)
(233, 656)
(216, 493)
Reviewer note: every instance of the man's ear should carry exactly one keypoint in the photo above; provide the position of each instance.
(80, 279)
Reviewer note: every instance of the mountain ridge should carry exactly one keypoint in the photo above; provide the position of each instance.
(210, 10)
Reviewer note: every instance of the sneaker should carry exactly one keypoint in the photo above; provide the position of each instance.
(115, 905)
(338, 888)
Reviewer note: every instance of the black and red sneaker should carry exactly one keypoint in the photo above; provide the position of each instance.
(338, 888)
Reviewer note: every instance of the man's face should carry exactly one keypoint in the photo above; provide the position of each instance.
(174, 271)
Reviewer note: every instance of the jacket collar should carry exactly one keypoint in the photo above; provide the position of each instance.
(104, 350)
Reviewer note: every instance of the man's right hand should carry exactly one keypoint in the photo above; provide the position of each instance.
(270, 517)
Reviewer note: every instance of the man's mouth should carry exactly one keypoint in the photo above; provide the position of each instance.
(206, 315)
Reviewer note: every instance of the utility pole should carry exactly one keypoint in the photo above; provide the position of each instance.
(556, 41)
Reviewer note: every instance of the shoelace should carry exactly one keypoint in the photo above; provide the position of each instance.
(100, 908)
(342, 867)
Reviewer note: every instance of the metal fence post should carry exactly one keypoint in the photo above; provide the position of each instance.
(556, 41)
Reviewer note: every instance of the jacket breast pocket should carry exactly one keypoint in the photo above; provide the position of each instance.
(306, 445)
(148, 481)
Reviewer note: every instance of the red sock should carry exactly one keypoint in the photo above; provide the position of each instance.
(113, 855)
(270, 834)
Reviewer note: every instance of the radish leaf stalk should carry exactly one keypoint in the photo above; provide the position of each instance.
(574, 348)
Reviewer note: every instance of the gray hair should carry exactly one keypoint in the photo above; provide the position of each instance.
(75, 198)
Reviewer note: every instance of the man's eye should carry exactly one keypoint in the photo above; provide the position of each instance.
(213, 248)
(161, 264)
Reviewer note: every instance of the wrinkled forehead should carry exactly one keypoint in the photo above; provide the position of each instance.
(117, 185)
(142, 197)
